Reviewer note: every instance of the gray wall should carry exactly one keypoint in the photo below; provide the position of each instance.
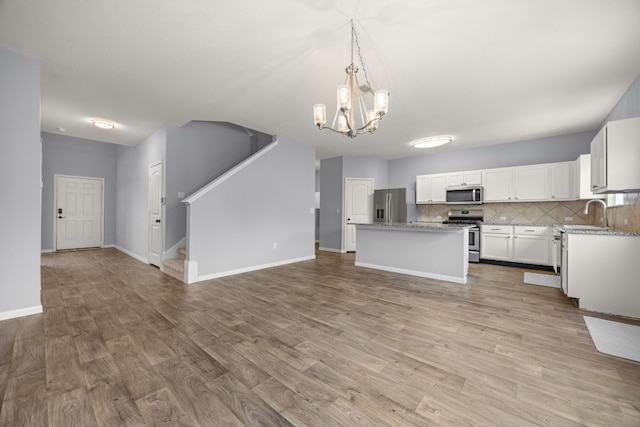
(20, 171)
(402, 172)
(235, 225)
(367, 167)
(66, 155)
(132, 163)
(628, 106)
(196, 154)
(332, 176)
(331, 184)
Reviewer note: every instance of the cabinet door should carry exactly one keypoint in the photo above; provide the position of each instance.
(495, 246)
(497, 184)
(531, 249)
(562, 181)
(473, 178)
(531, 182)
(438, 189)
(423, 193)
(455, 179)
(599, 161)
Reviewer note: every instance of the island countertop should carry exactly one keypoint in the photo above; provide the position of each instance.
(427, 226)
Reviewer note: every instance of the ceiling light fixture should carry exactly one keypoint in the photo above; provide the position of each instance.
(350, 99)
(433, 141)
(103, 124)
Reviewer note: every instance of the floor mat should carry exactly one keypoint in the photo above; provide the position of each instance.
(550, 280)
(614, 338)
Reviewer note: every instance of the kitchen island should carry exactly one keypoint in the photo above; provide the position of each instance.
(433, 250)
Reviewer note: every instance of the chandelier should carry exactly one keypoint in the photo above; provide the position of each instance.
(350, 101)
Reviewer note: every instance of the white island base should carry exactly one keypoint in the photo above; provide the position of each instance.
(435, 251)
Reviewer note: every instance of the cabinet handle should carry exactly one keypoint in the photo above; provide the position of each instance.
(530, 231)
(593, 186)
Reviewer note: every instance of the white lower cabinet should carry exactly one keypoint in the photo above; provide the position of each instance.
(495, 242)
(531, 245)
(523, 244)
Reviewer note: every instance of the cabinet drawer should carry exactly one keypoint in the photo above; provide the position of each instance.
(496, 229)
(531, 230)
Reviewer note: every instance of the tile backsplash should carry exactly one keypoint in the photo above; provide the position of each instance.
(629, 212)
(569, 212)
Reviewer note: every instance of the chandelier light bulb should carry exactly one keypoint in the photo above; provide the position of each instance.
(319, 115)
(344, 98)
(381, 102)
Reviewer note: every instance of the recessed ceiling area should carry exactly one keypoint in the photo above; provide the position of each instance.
(486, 72)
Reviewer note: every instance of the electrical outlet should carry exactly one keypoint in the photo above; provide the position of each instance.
(275, 245)
(438, 216)
(337, 211)
(180, 194)
(503, 218)
(625, 221)
(568, 218)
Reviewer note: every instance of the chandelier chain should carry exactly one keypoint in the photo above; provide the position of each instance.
(354, 33)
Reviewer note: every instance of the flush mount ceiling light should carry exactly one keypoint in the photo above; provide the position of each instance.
(433, 141)
(103, 124)
(351, 98)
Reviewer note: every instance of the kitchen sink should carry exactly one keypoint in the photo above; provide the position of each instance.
(585, 227)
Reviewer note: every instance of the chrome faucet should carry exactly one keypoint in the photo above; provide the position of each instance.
(604, 210)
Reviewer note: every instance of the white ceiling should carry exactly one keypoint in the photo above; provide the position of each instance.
(487, 72)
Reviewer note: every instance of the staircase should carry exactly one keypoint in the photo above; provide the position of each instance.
(175, 267)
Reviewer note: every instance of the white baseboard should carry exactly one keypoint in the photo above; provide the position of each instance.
(20, 313)
(413, 272)
(108, 246)
(46, 251)
(338, 251)
(131, 254)
(248, 269)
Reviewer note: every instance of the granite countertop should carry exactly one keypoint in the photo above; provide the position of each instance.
(608, 232)
(601, 232)
(420, 225)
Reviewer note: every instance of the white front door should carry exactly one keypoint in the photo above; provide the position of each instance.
(78, 212)
(155, 214)
(358, 207)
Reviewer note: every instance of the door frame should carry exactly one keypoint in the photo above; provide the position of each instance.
(344, 207)
(55, 204)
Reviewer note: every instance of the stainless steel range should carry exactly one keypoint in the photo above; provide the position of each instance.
(472, 217)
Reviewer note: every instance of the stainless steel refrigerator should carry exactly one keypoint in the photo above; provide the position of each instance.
(390, 205)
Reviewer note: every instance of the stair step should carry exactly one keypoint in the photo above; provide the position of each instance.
(174, 268)
(182, 253)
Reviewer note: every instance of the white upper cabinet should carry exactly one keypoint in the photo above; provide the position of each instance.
(431, 189)
(561, 180)
(582, 178)
(531, 183)
(464, 178)
(615, 151)
(497, 184)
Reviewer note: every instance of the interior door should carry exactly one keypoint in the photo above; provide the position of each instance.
(78, 212)
(155, 214)
(358, 207)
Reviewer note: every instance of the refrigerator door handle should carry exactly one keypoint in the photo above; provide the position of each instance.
(390, 214)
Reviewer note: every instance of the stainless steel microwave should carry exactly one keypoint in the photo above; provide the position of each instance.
(464, 195)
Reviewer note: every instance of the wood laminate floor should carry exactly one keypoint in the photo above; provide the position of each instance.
(317, 343)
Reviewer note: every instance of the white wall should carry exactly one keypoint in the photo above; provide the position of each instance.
(20, 150)
(234, 226)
